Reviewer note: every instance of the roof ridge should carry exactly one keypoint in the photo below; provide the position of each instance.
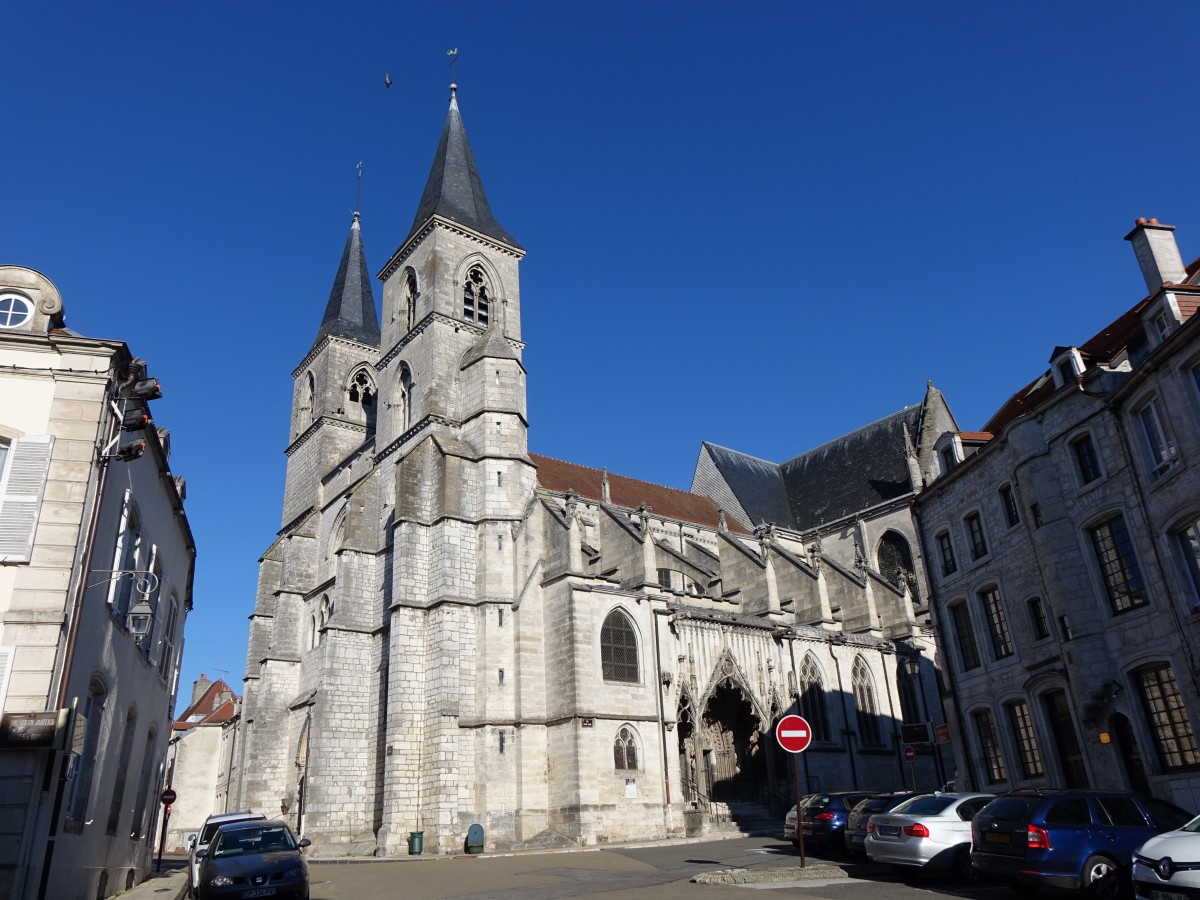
(850, 434)
(739, 453)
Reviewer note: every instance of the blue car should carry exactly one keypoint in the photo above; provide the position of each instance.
(1074, 839)
(823, 819)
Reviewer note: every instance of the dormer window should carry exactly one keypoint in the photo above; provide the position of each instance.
(1162, 318)
(15, 310)
(1066, 365)
(949, 451)
(476, 297)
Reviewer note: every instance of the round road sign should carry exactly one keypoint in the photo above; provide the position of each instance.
(910, 753)
(167, 797)
(793, 734)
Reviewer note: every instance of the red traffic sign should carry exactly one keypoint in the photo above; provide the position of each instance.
(167, 797)
(793, 734)
(910, 753)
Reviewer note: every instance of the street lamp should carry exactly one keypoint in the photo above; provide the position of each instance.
(912, 665)
(138, 621)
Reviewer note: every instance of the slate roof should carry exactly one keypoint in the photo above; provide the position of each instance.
(454, 190)
(757, 484)
(560, 476)
(350, 312)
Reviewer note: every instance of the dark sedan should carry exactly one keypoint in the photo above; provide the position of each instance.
(254, 859)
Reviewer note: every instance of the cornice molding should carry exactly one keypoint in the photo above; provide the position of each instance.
(437, 221)
(322, 344)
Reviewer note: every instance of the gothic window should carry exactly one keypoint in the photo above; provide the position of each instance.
(1118, 565)
(896, 563)
(989, 743)
(618, 648)
(812, 699)
(1168, 718)
(1002, 644)
(869, 732)
(310, 401)
(360, 398)
(1022, 730)
(625, 750)
(476, 297)
(405, 397)
(410, 301)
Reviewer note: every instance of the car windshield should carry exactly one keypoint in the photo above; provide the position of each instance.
(1193, 825)
(210, 828)
(253, 840)
(924, 806)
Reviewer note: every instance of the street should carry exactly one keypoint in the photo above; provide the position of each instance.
(662, 872)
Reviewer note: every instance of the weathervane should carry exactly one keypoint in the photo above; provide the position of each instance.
(358, 190)
(453, 54)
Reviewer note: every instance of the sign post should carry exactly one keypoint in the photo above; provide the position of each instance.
(794, 736)
(167, 797)
(910, 754)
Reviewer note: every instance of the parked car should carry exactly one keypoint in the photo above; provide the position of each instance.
(930, 832)
(1075, 839)
(1168, 866)
(822, 819)
(211, 824)
(856, 822)
(254, 859)
(790, 820)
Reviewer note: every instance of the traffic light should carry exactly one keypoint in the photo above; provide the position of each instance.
(131, 450)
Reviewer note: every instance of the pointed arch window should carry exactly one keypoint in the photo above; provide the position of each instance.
(310, 401)
(896, 563)
(405, 399)
(360, 398)
(410, 301)
(812, 699)
(618, 649)
(625, 754)
(477, 300)
(869, 732)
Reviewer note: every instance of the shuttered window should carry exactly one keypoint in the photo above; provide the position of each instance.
(22, 484)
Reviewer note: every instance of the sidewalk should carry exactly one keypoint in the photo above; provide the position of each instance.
(170, 885)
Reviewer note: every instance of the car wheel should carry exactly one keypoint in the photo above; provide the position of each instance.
(1101, 879)
(963, 868)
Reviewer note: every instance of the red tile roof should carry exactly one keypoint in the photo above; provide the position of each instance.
(560, 476)
(204, 708)
(975, 435)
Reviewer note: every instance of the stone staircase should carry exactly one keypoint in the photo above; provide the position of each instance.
(749, 819)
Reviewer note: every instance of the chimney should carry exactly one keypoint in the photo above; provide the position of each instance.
(199, 686)
(1157, 253)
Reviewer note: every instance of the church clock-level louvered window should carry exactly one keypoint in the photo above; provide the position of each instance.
(618, 649)
(476, 297)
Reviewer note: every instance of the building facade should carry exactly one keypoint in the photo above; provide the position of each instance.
(451, 630)
(1064, 548)
(96, 564)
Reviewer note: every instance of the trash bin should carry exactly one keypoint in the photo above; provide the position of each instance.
(416, 843)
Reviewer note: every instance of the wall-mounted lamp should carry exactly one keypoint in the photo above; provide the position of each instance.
(912, 666)
(139, 619)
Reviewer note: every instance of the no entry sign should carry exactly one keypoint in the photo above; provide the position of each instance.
(910, 753)
(793, 734)
(168, 797)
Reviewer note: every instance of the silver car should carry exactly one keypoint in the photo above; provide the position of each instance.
(931, 832)
(1169, 865)
(211, 824)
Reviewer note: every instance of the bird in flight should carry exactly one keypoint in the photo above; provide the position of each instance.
(387, 79)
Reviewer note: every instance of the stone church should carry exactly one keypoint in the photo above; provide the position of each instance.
(451, 630)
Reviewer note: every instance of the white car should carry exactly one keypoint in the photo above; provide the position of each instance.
(932, 831)
(211, 824)
(1167, 867)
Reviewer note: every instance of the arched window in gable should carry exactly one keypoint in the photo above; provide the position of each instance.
(361, 398)
(896, 563)
(477, 298)
(625, 754)
(869, 732)
(618, 649)
(812, 699)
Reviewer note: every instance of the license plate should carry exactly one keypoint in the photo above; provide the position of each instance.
(1167, 895)
(889, 830)
(259, 892)
(996, 837)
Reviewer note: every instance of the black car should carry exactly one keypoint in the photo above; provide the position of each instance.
(855, 832)
(1074, 839)
(823, 819)
(254, 859)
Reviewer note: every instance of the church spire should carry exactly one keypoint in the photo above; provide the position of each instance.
(454, 190)
(350, 312)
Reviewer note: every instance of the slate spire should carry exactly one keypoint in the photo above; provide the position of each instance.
(350, 312)
(454, 189)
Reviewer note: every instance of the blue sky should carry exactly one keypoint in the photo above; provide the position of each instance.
(761, 225)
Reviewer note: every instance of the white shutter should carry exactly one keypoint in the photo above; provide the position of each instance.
(6, 658)
(119, 552)
(21, 489)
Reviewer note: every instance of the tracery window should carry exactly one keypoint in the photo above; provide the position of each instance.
(618, 649)
(625, 750)
(405, 387)
(812, 699)
(869, 731)
(896, 563)
(476, 297)
(360, 398)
